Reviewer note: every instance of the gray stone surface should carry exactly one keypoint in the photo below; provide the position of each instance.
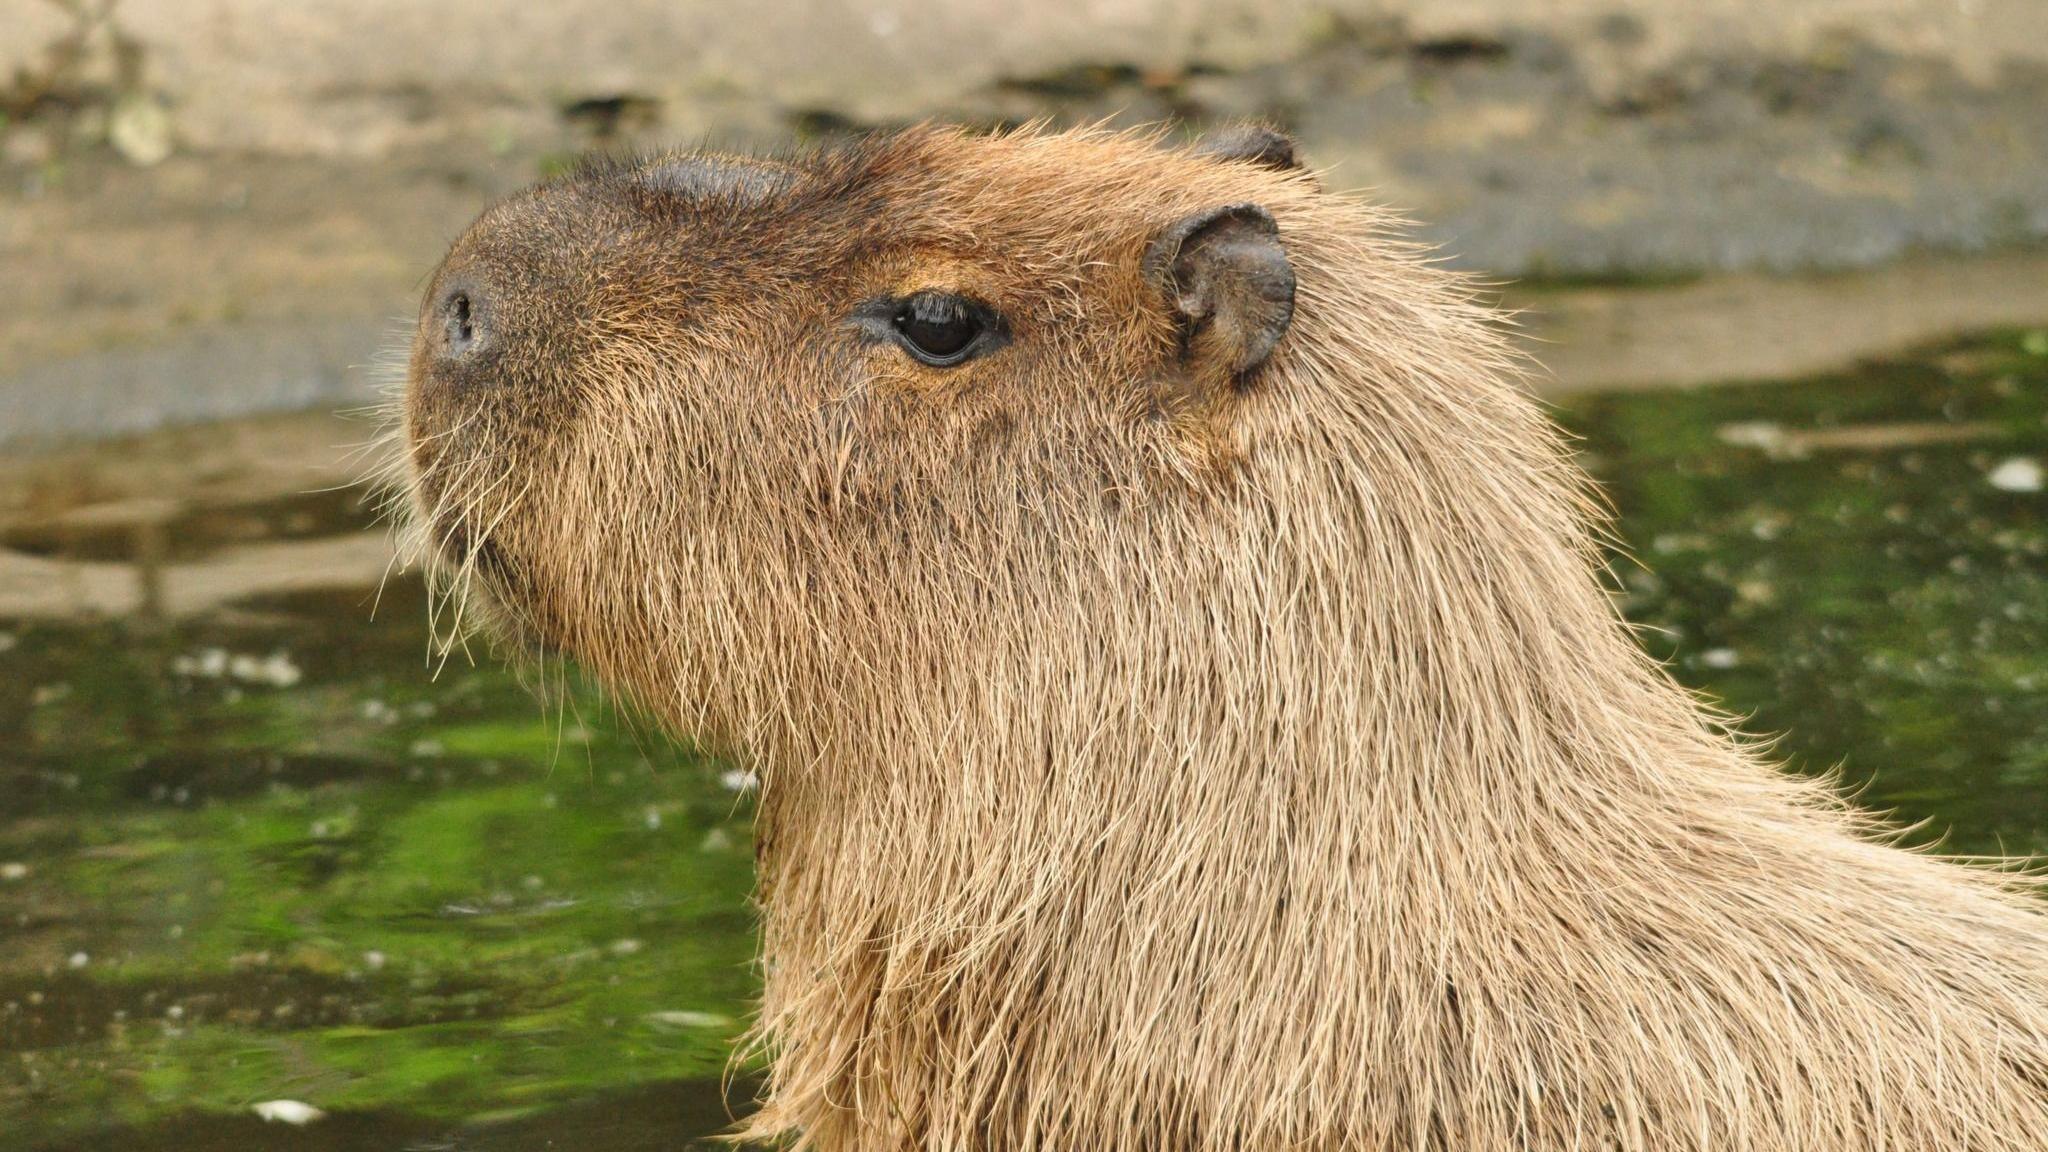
(357, 77)
(210, 207)
(214, 373)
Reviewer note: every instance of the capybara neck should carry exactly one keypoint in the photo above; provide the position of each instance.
(1197, 721)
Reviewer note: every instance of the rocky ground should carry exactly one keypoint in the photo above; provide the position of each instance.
(210, 207)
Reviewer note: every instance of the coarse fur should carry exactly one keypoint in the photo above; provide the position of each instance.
(1157, 759)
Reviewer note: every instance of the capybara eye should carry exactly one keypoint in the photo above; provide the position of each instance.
(940, 329)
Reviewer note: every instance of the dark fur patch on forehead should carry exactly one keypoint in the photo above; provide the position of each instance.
(792, 213)
(800, 180)
(704, 175)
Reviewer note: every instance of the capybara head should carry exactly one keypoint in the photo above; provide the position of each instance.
(730, 428)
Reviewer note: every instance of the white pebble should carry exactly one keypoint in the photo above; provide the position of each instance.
(13, 870)
(686, 1019)
(1720, 658)
(275, 670)
(1763, 435)
(140, 130)
(79, 960)
(2018, 474)
(288, 1111)
(739, 780)
(211, 663)
(279, 671)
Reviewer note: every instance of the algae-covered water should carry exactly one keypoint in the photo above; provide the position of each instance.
(264, 853)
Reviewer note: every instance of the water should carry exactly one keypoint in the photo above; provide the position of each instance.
(1858, 565)
(256, 851)
(269, 857)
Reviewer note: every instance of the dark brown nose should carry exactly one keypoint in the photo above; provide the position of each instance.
(458, 323)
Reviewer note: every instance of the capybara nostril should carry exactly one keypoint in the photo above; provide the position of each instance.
(459, 322)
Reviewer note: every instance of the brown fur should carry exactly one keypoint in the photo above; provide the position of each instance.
(1160, 762)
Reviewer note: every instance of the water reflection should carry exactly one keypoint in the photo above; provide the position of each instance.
(251, 850)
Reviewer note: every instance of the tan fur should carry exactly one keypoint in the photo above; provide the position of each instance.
(1156, 764)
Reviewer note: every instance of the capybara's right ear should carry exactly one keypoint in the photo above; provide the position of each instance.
(1252, 143)
(1225, 276)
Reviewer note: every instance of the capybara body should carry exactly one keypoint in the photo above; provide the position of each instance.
(1176, 656)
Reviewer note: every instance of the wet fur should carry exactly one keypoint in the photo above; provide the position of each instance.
(1153, 761)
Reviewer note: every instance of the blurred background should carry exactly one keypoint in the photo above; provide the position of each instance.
(273, 874)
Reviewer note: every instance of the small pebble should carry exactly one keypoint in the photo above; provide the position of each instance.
(140, 130)
(1760, 434)
(211, 663)
(288, 1112)
(2018, 474)
(275, 670)
(686, 1019)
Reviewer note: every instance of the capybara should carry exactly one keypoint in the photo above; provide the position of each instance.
(1177, 659)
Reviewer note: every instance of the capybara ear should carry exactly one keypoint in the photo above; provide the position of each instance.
(1225, 275)
(1253, 143)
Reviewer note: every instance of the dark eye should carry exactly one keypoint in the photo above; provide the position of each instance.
(940, 329)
